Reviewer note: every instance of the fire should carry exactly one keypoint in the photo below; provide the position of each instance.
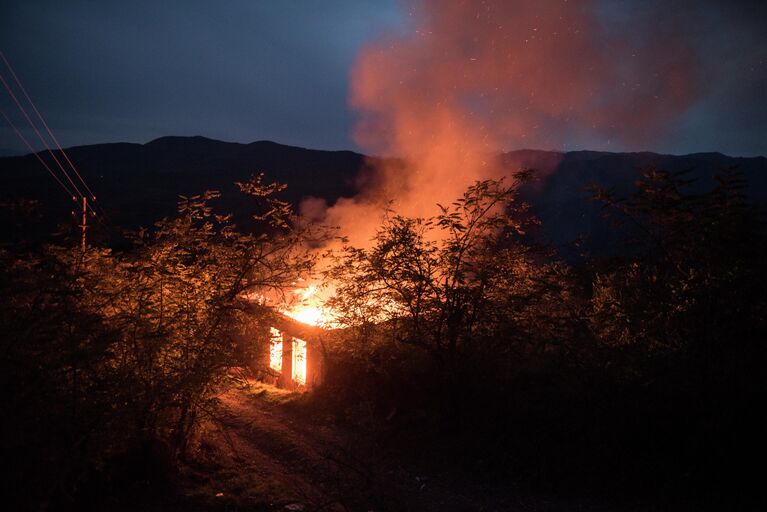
(275, 350)
(309, 309)
(298, 353)
(308, 315)
(287, 352)
(307, 292)
(299, 361)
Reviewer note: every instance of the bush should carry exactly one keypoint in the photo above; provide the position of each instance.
(108, 360)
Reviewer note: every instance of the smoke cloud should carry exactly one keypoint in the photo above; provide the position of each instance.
(466, 80)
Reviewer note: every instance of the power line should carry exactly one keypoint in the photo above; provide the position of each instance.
(39, 136)
(10, 123)
(86, 205)
(45, 124)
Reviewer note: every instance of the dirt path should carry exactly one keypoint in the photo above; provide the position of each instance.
(309, 465)
(260, 455)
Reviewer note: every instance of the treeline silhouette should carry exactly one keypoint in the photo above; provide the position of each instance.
(639, 374)
(464, 345)
(110, 359)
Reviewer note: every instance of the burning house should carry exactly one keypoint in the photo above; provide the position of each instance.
(294, 357)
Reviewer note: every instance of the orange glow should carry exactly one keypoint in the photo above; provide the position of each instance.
(307, 292)
(299, 361)
(467, 80)
(308, 315)
(275, 350)
(309, 308)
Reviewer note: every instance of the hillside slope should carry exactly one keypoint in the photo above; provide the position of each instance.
(560, 197)
(140, 183)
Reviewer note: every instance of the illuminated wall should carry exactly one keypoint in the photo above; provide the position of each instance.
(275, 350)
(299, 361)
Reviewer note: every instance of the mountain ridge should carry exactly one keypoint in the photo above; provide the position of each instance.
(140, 183)
(165, 139)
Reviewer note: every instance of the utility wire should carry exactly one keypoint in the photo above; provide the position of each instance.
(47, 168)
(44, 142)
(10, 123)
(45, 124)
(88, 204)
(39, 136)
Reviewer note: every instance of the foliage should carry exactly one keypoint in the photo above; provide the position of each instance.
(129, 350)
(457, 329)
(690, 277)
(642, 367)
(438, 283)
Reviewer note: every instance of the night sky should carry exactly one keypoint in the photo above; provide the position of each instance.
(280, 70)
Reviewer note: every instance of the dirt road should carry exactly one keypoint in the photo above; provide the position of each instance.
(260, 454)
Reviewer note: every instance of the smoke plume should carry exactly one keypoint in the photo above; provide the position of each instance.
(465, 80)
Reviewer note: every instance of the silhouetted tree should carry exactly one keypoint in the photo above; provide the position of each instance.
(690, 276)
(106, 353)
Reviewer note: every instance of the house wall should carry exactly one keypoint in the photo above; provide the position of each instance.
(285, 379)
(315, 369)
(254, 344)
(314, 364)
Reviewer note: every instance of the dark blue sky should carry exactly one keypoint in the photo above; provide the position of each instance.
(240, 70)
(245, 70)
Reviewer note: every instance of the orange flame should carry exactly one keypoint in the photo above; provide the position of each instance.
(309, 309)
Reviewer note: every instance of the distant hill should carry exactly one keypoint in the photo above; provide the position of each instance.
(561, 200)
(140, 183)
(10, 152)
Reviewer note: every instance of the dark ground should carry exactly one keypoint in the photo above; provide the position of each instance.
(268, 451)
